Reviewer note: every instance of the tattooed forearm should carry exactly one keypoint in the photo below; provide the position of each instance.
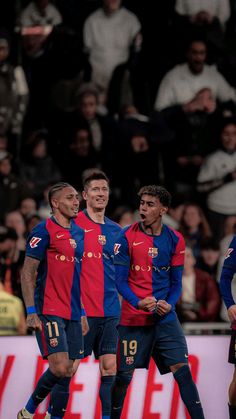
(28, 275)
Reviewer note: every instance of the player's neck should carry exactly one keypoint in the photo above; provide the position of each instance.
(98, 216)
(62, 220)
(153, 229)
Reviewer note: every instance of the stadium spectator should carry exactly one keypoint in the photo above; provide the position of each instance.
(12, 316)
(12, 189)
(40, 13)
(27, 206)
(123, 216)
(200, 298)
(107, 45)
(40, 167)
(13, 90)
(194, 227)
(217, 178)
(182, 84)
(209, 256)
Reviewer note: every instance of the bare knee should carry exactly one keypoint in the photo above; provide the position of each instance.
(107, 365)
(60, 365)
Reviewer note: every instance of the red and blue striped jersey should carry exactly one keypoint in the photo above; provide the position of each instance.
(98, 289)
(60, 252)
(155, 269)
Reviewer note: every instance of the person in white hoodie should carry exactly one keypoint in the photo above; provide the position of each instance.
(217, 177)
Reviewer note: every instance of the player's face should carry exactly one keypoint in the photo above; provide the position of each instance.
(97, 194)
(67, 202)
(151, 209)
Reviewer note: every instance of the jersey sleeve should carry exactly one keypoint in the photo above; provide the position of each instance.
(37, 242)
(179, 253)
(121, 251)
(227, 274)
(122, 262)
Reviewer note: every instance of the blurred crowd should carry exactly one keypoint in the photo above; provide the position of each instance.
(145, 92)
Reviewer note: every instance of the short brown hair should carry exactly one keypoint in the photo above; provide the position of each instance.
(159, 192)
(93, 174)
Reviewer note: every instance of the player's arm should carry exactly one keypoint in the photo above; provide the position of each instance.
(227, 274)
(84, 320)
(176, 272)
(36, 246)
(122, 266)
(28, 277)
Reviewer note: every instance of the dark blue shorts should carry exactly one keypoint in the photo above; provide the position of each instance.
(102, 336)
(232, 348)
(60, 335)
(164, 342)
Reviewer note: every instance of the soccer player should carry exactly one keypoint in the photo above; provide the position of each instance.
(149, 259)
(227, 274)
(98, 289)
(53, 257)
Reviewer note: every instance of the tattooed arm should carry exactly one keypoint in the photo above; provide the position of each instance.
(28, 277)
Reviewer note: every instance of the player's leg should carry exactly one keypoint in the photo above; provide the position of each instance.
(107, 365)
(53, 346)
(122, 382)
(134, 351)
(60, 393)
(170, 354)
(232, 387)
(105, 349)
(188, 390)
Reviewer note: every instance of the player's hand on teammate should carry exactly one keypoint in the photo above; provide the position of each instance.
(162, 307)
(33, 322)
(85, 325)
(232, 313)
(147, 304)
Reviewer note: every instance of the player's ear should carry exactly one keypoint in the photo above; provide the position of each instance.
(55, 203)
(84, 195)
(163, 211)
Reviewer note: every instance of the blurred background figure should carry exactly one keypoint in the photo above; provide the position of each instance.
(200, 298)
(12, 315)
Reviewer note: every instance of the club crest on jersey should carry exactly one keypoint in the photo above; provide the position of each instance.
(73, 243)
(34, 242)
(53, 342)
(153, 252)
(228, 253)
(116, 248)
(129, 360)
(102, 239)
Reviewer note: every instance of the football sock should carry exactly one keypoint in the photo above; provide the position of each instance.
(122, 381)
(232, 412)
(189, 393)
(45, 384)
(105, 394)
(59, 398)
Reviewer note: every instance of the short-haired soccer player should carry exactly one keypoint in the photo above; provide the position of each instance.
(53, 257)
(149, 258)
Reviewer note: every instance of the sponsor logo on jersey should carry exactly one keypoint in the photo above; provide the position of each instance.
(137, 243)
(88, 231)
(53, 342)
(116, 248)
(64, 258)
(34, 242)
(73, 243)
(102, 239)
(153, 252)
(129, 360)
(228, 253)
(92, 255)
